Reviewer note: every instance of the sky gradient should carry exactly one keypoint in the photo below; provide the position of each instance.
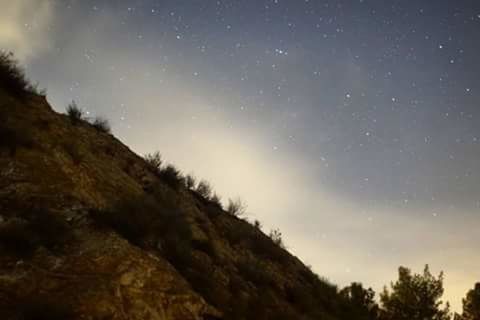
(350, 125)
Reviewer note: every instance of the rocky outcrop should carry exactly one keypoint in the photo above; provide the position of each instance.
(74, 245)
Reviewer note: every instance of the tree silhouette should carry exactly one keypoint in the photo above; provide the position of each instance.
(361, 301)
(471, 304)
(414, 297)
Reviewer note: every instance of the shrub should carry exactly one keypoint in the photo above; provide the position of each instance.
(73, 150)
(264, 246)
(217, 200)
(276, 236)
(205, 246)
(75, 114)
(190, 182)
(134, 219)
(239, 233)
(204, 189)
(172, 176)
(102, 125)
(50, 228)
(12, 77)
(154, 161)
(236, 207)
(256, 271)
(38, 227)
(257, 224)
(13, 139)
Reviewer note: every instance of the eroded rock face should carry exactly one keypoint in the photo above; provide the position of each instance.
(185, 259)
(97, 274)
(103, 277)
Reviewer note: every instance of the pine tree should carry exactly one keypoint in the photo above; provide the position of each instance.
(414, 297)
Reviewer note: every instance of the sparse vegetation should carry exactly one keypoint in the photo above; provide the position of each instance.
(256, 271)
(32, 229)
(75, 114)
(154, 161)
(236, 207)
(13, 79)
(216, 200)
(135, 219)
(73, 150)
(190, 182)
(101, 124)
(171, 176)
(276, 236)
(12, 139)
(204, 189)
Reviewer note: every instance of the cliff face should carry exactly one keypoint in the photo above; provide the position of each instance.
(89, 230)
(89, 272)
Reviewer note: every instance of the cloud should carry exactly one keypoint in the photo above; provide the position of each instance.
(25, 26)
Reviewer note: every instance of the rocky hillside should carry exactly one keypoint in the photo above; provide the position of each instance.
(90, 230)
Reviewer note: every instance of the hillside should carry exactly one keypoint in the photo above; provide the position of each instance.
(90, 230)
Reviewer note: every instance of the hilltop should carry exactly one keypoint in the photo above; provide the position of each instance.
(91, 230)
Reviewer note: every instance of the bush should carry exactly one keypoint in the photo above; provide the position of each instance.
(204, 189)
(239, 233)
(190, 182)
(13, 139)
(75, 114)
(276, 236)
(73, 150)
(50, 228)
(38, 227)
(172, 176)
(256, 272)
(265, 246)
(236, 207)
(134, 219)
(102, 125)
(216, 200)
(154, 161)
(12, 77)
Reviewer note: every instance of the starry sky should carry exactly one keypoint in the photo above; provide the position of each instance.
(351, 125)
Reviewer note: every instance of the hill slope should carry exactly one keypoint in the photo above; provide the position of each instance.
(90, 230)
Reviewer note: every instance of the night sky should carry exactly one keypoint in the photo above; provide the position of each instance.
(353, 126)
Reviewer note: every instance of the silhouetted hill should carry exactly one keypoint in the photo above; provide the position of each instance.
(90, 230)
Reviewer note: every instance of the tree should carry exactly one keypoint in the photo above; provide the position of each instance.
(471, 304)
(414, 297)
(360, 301)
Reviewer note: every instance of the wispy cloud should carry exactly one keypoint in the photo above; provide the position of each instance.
(25, 26)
